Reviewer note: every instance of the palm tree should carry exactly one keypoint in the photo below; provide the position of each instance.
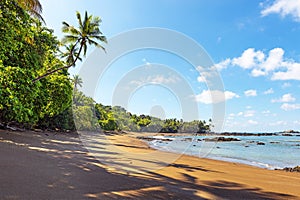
(88, 33)
(34, 7)
(77, 81)
(70, 54)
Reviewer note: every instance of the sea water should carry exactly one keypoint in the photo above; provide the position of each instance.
(277, 152)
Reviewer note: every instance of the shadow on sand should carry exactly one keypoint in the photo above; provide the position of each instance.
(40, 166)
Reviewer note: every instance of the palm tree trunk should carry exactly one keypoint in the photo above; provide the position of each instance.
(61, 68)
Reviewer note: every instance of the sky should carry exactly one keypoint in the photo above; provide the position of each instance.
(254, 46)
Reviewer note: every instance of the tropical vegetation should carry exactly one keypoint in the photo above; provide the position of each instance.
(36, 90)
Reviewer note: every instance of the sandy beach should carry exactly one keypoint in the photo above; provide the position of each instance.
(39, 165)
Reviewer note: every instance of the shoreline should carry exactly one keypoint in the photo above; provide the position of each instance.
(218, 138)
(247, 174)
(58, 166)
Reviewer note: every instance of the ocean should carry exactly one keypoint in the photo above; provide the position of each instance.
(271, 152)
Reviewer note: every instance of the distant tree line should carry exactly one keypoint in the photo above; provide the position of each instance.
(90, 115)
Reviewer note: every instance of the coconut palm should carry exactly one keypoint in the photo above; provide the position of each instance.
(34, 7)
(88, 33)
(70, 54)
(77, 81)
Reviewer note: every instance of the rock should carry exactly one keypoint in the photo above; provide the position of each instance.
(287, 134)
(274, 142)
(151, 139)
(291, 131)
(187, 139)
(292, 169)
(221, 139)
(247, 134)
(146, 138)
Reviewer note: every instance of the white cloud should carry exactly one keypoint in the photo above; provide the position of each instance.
(261, 64)
(231, 115)
(285, 99)
(208, 74)
(266, 112)
(201, 79)
(274, 60)
(291, 73)
(258, 72)
(205, 76)
(223, 64)
(249, 113)
(284, 8)
(269, 91)
(248, 59)
(240, 114)
(287, 106)
(250, 93)
(162, 79)
(252, 122)
(215, 96)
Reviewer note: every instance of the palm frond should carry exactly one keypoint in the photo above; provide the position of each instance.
(92, 42)
(102, 38)
(65, 27)
(69, 39)
(79, 18)
(34, 8)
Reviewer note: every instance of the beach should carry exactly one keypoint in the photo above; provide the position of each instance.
(48, 165)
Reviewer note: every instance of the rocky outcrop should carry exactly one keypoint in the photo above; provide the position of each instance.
(290, 169)
(151, 139)
(221, 139)
(247, 134)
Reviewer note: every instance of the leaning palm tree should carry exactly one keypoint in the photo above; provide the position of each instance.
(88, 33)
(34, 7)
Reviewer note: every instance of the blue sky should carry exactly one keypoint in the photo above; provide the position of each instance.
(254, 45)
